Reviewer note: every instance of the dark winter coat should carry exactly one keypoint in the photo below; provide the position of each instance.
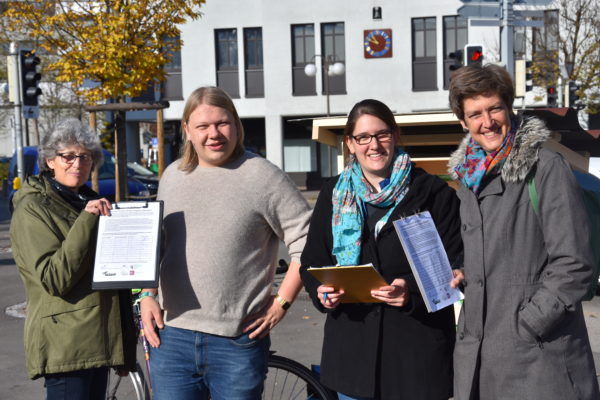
(521, 332)
(69, 326)
(376, 350)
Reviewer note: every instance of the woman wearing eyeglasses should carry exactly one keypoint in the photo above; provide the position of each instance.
(394, 349)
(72, 334)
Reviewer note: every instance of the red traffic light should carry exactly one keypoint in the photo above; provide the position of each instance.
(476, 55)
(551, 90)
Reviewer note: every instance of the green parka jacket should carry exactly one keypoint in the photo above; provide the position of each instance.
(69, 327)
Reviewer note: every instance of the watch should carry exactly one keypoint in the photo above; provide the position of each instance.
(283, 302)
(378, 43)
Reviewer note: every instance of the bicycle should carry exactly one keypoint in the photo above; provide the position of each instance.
(134, 385)
(286, 378)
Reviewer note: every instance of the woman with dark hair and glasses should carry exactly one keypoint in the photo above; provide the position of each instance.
(394, 349)
(72, 334)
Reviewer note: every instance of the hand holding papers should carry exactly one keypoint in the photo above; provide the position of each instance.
(428, 260)
(127, 246)
(357, 281)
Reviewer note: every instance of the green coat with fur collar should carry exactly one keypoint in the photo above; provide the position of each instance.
(69, 326)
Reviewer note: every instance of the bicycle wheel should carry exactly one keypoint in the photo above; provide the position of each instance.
(288, 379)
(130, 387)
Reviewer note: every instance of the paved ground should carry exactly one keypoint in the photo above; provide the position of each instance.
(298, 336)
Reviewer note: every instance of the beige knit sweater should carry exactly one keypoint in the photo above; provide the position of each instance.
(222, 228)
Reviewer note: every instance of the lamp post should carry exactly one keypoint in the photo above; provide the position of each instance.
(330, 66)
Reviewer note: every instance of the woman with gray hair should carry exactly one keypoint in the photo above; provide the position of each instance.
(72, 334)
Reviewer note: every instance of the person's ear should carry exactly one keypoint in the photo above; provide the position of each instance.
(50, 162)
(349, 143)
(465, 128)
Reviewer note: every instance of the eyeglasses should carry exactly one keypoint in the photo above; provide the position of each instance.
(70, 158)
(381, 137)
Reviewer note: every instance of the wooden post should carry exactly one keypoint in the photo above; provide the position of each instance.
(160, 133)
(95, 182)
(121, 192)
(121, 137)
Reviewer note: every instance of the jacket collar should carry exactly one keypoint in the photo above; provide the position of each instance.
(531, 134)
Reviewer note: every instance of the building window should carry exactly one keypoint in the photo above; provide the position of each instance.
(455, 38)
(424, 71)
(227, 61)
(171, 88)
(253, 61)
(303, 52)
(333, 47)
(545, 50)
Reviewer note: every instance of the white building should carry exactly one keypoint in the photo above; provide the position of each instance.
(395, 51)
(257, 51)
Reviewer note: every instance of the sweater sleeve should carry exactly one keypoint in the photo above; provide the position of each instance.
(58, 262)
(564, 223)
(317, 252)
(288, 214)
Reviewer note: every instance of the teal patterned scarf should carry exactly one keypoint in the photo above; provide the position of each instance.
(349, 195)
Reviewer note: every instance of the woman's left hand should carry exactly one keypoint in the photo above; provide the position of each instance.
(396, 294)
(98, 207)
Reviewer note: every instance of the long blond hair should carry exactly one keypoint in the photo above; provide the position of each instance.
(212, 96)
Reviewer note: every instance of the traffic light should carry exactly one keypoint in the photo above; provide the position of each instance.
(552, 96)
(30, 79)
(473, 54)
(457, 56)
(523, 77)
(573, 100)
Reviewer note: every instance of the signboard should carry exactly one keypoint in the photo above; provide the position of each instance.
(537, 24)
(481, 10)
(485, 22)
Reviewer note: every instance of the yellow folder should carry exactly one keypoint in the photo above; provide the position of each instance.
(356, 280)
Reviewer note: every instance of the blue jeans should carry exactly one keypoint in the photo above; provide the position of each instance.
(85, 384)
(191, 365)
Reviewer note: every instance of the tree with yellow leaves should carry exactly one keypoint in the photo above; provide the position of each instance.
(120, 45)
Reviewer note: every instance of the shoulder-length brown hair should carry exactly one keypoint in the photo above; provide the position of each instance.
(212, 96)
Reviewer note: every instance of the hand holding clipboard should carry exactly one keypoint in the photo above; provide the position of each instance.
(356, 281)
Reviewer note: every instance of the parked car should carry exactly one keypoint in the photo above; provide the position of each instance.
(106, 176)
(144, 175)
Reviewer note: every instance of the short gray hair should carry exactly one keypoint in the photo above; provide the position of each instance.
(69, 132)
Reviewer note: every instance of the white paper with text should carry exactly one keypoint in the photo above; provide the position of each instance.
(428, 259)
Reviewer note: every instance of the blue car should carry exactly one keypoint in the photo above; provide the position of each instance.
(106, 176)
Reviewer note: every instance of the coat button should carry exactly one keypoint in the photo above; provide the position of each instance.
(480, 282)
(461, 336)
(464, 227)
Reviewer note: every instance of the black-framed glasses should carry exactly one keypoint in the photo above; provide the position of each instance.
(70, 158)
(381, 137)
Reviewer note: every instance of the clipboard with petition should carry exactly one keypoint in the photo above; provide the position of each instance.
(127, 247)
(356, 280)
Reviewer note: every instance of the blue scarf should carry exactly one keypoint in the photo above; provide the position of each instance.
(349, 195)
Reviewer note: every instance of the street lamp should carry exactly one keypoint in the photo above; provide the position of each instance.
(331, 66)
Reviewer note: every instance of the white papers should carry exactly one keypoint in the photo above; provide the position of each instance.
(428, 260)
(127, 246)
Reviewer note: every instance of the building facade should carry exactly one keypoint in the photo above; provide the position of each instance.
(394, 51)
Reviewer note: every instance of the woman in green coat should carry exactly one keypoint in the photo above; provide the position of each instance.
(73, 334)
